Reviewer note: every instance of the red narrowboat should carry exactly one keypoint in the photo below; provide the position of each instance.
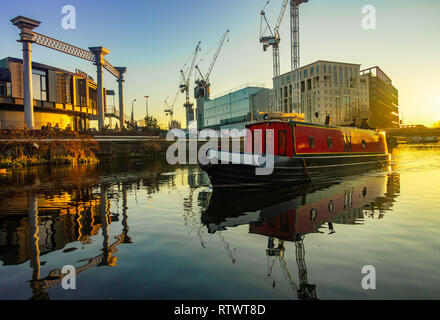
(296, 152)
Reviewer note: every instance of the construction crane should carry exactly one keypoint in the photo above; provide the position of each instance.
(184, 87)
(274, 38)
(203, 83)
(202, 89)
(170, 108)
(295, 57)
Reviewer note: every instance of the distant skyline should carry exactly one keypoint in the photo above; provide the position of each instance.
(153, 39)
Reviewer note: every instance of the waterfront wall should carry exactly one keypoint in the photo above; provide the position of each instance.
(20, 148)
(114, 149)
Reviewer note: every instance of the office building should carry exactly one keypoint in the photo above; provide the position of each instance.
(237, 107)
(61, 98)
(383, 109)
(327, 88)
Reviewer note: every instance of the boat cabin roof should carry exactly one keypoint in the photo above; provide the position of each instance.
(292, 123)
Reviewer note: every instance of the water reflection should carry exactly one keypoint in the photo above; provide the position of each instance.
(44, 210)
(289, 215)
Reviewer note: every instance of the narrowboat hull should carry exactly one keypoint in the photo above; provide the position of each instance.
(295, 170)
(301, 163)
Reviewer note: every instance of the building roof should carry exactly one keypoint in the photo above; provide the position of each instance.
(378, 72)
(40, 65)
(323, 61)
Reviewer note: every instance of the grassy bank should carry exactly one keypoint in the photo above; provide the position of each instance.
(23, 148)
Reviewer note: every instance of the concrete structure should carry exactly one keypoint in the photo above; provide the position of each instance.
(120, 81)
(96, 56)
(58, 96)
(240, 106)
(327, 88)
(99, 53)
(383, 111)
(26, 25)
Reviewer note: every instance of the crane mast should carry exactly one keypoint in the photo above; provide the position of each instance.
(295, 53)
(184, 87)
(273, 40)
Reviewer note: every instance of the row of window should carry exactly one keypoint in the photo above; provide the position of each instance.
(326, 69)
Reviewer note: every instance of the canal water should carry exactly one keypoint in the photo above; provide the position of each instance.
(148, 230)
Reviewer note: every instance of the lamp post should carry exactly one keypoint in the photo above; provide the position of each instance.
(132, 111)
(146, 104)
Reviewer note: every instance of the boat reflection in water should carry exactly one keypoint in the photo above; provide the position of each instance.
(289, 215)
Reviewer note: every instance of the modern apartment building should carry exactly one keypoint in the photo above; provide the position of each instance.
(383, 99)
(62, 98)
(327, 88)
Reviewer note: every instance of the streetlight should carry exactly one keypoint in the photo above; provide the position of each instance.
(146, 106)
(132, 111)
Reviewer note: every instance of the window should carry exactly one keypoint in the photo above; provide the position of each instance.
(312, 142)
(39, 89)
(330, 142)
(282, 142)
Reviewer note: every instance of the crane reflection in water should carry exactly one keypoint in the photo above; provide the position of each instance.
(44, 213)
(288, 215)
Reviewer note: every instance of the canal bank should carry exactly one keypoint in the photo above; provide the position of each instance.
(23, 149)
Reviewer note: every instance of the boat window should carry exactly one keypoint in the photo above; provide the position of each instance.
(312, 142)
(347, 141)
(330, 142)
(313, 214)
(258, 141)
(330, 206)
(282, 142)
(284, 222)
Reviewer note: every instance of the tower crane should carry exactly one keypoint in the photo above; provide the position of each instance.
(184, 87)
(202, 89)
(170, 108)
(203, 83)
(295, 57)
(274, 38)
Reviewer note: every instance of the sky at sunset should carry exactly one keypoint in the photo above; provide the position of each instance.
(153, 39)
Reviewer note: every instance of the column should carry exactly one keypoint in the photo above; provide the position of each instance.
(120, 81)
(26, 25)
(99, 52)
